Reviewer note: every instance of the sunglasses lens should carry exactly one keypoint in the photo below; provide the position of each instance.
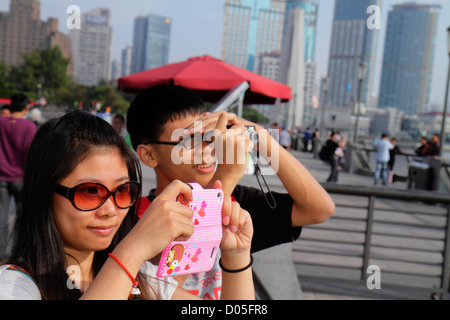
(90, 196)
(126, 195)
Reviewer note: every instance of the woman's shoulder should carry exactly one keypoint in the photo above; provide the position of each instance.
(17, 284)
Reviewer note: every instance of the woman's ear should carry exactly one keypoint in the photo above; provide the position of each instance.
(147, 155)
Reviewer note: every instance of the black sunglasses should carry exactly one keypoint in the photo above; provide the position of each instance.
(91, 195)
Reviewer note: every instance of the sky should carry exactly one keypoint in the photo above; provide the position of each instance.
(197, 27)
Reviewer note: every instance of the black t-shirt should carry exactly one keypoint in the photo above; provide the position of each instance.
(328, 150)
(271, 226)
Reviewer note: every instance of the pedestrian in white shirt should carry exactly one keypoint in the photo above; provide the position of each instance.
(285, 139)
(383, 147)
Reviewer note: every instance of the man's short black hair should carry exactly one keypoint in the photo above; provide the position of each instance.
(19, 101)
(152, 108)
(119, 116)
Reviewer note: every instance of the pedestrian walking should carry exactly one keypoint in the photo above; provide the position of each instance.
(392, 153)
(328, 154)
(16, 134)
(383, 147)
(285, 139)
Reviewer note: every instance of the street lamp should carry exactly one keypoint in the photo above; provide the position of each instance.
(325, 83)
(361, 76)
(444, 115)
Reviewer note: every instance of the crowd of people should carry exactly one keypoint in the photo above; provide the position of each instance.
(332, 149)
(386, 150)
(85, 229)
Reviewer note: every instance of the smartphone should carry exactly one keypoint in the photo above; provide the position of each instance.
(199, 252)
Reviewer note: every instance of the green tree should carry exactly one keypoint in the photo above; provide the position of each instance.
(46, 67)
(251, 114)
(3, 76)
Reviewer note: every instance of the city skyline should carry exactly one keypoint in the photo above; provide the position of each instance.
(198, 29)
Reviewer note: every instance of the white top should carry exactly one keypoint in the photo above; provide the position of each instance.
(285, 138)
(15, 285)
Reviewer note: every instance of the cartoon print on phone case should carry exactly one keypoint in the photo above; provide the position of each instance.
(199, 252)
(173, 259)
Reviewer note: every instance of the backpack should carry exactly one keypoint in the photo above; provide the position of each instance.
(324, 155)
(327, 150)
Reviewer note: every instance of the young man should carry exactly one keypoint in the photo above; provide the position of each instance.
(155, 120)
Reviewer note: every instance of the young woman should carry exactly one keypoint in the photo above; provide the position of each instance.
(78, 235)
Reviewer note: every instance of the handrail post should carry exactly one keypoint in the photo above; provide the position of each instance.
(368, 240)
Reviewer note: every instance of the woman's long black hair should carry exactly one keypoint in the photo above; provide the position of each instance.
(58, 147)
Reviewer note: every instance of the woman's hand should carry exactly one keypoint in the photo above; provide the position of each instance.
(235, 252)
(237, 228)
(237, 233)
(164, 221)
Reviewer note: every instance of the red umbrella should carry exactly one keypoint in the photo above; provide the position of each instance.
(211, 78)
(5, 101)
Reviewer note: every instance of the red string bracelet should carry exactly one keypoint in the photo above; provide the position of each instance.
(135, 292)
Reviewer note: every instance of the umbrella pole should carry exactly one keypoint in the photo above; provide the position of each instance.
(229, 100)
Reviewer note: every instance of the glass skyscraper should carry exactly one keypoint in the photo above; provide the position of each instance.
(408, 57)
(311, 11)
(311, 8)
(151, 42)
(251, 28)
(352, 42)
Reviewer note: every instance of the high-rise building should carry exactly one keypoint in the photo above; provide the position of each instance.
(408, 57)
(92, 46)
(352, 42)
(311, 9)
(116, 69)
(21, 30)
(292, 71)
(151, 42)
(251, 28)
(126, 60)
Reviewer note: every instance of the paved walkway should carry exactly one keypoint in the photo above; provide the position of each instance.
(274, 266)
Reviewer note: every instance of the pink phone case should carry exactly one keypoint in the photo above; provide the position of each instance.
(199, 252)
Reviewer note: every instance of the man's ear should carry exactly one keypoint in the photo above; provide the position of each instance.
(147, 154)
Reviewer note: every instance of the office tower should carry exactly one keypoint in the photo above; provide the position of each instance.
(116, 69)
(126, 60)
(310, 9)
(21, 30)
(251, 28)
(352, 42)
(292, 71)
(151, 42)
(408, 57)
(92, 45)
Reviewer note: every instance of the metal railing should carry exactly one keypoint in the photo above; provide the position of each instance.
(405, 233)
